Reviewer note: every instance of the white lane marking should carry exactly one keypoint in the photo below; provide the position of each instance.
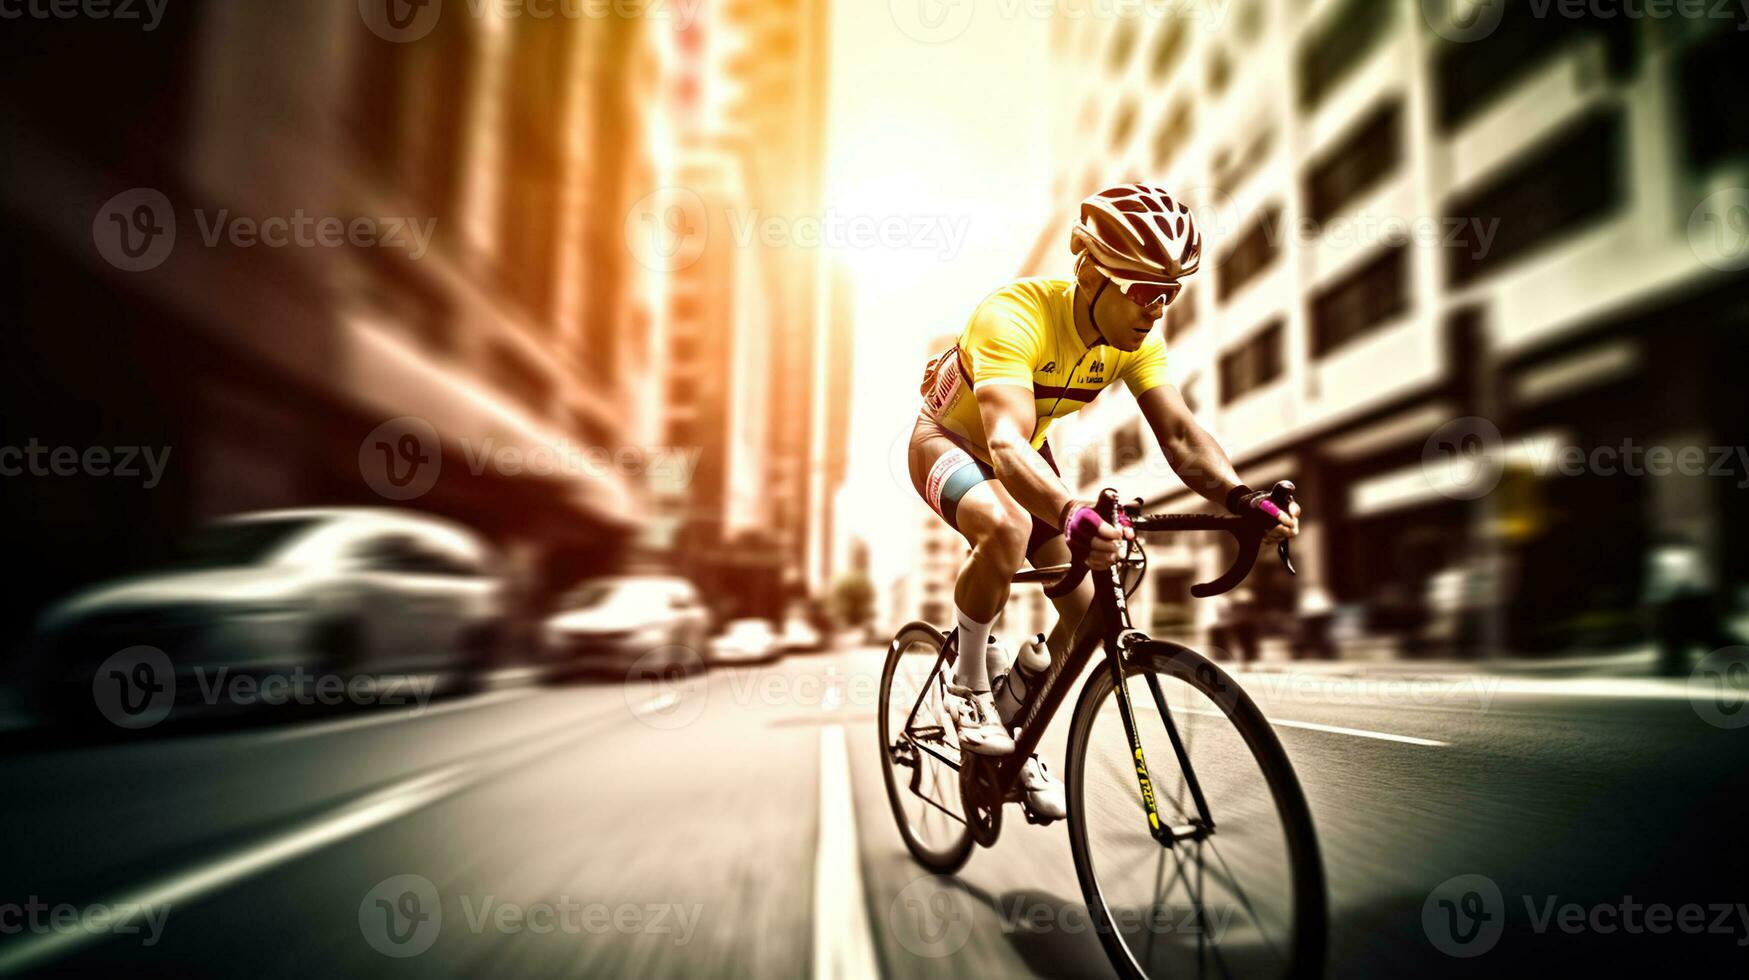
(389, 716)
(843, 946)
(373, 810)
(1315, 727)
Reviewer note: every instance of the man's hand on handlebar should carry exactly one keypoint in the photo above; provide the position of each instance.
(1091, 539)
(1287, 520)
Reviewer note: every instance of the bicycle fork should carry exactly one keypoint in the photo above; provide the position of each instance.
(1117, 653)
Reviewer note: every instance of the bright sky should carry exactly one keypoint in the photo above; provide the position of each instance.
(953, 138)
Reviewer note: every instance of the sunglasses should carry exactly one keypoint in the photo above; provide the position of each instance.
(1145, 294)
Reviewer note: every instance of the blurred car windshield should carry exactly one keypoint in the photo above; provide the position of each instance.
(605, 595)
(232, 545)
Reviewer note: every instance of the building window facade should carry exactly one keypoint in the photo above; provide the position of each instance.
(1365, 157)
(1362, 301)
(1251, 255)
(1577, 177)
(1252, 364)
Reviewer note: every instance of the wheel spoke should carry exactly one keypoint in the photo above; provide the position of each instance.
(1243, 866)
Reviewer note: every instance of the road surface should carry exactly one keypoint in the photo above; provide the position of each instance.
(736, 824)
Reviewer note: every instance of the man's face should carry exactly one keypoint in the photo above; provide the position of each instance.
(1123, 322)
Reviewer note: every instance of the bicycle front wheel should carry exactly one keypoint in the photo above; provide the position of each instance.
(919, 755)
(1238, 890)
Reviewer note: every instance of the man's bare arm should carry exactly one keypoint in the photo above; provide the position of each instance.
(1193, 454)
(1197, 458)
(1009, 421)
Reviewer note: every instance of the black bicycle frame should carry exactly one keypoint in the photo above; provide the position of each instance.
(1108, 615)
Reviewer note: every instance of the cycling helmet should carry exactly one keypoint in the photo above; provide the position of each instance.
(1137, 232)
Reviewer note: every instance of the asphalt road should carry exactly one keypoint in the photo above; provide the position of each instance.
(736, 824)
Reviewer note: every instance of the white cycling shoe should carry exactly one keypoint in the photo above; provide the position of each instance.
(975, 719)
(1044, 792)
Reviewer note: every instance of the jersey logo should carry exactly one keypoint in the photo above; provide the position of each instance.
(1048, 368)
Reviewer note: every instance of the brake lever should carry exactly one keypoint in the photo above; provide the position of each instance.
(1282, 496)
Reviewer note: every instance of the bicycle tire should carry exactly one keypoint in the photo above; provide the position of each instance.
(952, 853)
(1309, 931)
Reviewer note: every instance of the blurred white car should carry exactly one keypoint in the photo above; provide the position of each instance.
(610, 625)
(341, 590)
(745, 641)
(800, 636)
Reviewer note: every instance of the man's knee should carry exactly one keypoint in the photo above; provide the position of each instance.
(1002, 536)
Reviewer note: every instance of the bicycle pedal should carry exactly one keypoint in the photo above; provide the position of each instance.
(1035, 819)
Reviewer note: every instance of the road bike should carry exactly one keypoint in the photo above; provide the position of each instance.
(1174, 777)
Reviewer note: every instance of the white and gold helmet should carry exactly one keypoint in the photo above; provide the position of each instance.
(1137, 233)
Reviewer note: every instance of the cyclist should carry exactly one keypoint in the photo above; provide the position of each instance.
(1036, 350)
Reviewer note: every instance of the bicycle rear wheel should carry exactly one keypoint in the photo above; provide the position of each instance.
(919, 755)
(1240, 893)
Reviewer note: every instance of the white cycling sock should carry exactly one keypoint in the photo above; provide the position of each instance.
(969, 670)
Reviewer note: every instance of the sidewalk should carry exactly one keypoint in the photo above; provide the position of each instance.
(1639, 663)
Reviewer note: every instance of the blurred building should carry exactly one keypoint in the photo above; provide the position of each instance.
(520, 324)
(753, 152)
(1410, 223)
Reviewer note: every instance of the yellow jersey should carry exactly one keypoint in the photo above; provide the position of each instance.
(1024, 334)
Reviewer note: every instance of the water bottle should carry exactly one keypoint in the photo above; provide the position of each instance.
(1014, 686)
